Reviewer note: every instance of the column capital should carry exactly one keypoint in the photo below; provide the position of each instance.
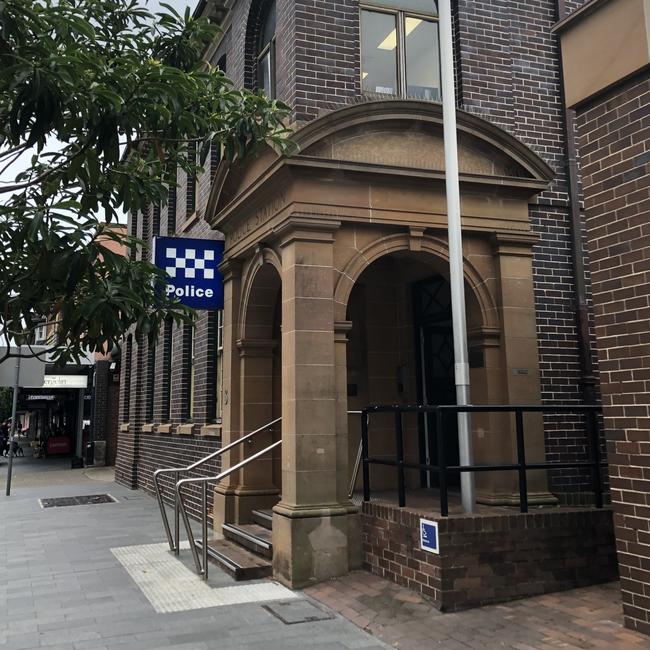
(306, 228)
(256, 347)
(518, 244)
(341, 330)
(231, 268)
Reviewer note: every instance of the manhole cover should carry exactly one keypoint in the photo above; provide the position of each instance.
(298, 611)
(87, 499)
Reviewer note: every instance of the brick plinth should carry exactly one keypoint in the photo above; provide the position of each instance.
(490, 558)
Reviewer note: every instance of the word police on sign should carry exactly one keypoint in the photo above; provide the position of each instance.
(191, 268)
(429, 536)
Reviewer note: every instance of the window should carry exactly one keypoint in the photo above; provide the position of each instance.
(400, 53)
(192, 357)
(266, 53)
(192, 182)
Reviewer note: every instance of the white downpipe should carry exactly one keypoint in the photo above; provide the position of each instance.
(455, 250)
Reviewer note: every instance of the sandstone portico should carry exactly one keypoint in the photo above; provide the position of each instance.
(312, 241)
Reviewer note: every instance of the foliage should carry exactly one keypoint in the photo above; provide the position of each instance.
(106, 98)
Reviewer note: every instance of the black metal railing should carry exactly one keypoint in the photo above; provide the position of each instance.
(443, 470)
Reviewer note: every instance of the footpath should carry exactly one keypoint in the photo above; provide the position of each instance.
(100, 577)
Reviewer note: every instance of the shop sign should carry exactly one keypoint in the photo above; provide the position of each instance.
(39, 398)
(429, 536)
(191, 268)
(65, 381)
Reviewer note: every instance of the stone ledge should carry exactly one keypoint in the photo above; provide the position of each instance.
(211, 430)
(124, 428)
(185, 429)
(165, 428)
(149, 428)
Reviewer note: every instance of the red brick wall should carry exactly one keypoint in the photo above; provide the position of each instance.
(614, 135)
(487, 559)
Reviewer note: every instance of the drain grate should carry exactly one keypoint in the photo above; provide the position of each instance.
(85, 500)
(298, 611)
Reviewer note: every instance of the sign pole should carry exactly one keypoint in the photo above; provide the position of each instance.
(455, 251)
(14, 408)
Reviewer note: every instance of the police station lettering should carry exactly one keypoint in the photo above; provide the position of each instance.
(191, 265)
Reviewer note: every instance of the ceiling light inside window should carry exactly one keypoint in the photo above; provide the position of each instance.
(390, 42)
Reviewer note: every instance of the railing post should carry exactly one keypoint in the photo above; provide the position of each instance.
(521, 460)
(442, 465)
(399, 445)
(592, 428)
(177, 522)
(364, 454)
(205, 530)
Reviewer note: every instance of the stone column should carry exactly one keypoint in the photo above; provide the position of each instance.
(224, 502)
(310, 524)
(520, 376)
(255, 487)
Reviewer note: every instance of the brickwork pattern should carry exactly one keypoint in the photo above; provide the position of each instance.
(507, 73)
(615, 148)
(490, 558)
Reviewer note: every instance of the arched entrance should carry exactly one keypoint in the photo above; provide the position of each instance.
(354, 230)
(400, 351)
(257, 397)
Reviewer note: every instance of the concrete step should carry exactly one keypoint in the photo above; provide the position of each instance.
(237, 561)
(263, 518)
(254, 537)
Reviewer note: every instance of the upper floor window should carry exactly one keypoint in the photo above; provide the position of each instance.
(400, 53)
(266, 52)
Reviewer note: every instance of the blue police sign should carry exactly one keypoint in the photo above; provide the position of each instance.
(429, 536)
(191, 268)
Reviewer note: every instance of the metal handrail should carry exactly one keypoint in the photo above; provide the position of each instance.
(174, 541)
(357, 462)
(202, 563)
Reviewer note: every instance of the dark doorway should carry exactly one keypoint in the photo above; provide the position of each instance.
(435, 364)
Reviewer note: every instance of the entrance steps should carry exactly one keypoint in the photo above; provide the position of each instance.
(247, 550)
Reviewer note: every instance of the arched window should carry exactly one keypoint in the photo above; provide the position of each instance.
(399, 48)
(266, 52)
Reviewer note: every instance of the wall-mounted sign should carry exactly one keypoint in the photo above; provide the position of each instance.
(39, 398)
(65, 381)
(429, 536)
(191, 268)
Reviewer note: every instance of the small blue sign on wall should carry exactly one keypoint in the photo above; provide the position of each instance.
(429, 536)
(191, 267)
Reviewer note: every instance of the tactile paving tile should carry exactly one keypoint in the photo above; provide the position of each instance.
(170, 586)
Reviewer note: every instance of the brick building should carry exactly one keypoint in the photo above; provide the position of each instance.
(611, 95)
(335, 272)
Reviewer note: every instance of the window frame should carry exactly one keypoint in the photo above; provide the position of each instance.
(400, 22)
(269, 48)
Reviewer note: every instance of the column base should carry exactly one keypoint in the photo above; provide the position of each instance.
(312, 544)
(234, 505)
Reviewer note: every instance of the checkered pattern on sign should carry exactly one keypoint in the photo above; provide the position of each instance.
(191, 264)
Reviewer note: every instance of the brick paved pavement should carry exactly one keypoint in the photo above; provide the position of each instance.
(582, 618)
